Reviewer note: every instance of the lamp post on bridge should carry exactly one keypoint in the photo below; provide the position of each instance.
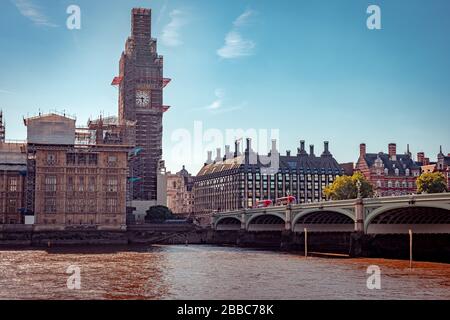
(358, 187)
(359, 209)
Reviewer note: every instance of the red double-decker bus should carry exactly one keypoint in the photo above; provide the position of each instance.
(285, 201)
(263, 204)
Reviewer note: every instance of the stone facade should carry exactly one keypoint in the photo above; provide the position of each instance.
(77, 186)
(180, 195)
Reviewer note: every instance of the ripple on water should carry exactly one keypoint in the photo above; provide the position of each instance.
(209, 272)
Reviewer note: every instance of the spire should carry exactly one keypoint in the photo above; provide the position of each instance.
(441, 154)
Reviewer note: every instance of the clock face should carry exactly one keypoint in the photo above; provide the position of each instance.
(142, 98)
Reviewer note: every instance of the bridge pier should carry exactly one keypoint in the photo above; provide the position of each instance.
(288, 219)
(244, 220)
(359, 215)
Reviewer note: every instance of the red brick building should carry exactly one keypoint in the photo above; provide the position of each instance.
(390, 173)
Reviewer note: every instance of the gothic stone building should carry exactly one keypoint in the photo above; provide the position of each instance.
(238, 181)
(12, 179)
(74, 185)
(391, 174)
(141, 84)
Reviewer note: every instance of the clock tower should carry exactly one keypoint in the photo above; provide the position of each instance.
(141, 85)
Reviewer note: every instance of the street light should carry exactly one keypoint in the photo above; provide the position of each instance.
(358, 186)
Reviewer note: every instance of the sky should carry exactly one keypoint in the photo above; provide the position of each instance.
(296, 70)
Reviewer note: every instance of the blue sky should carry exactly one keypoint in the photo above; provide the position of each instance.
(311, 69)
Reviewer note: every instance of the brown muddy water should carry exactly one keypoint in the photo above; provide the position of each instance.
(209, 272)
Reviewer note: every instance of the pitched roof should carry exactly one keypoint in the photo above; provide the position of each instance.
(300, 163)
(401, 162)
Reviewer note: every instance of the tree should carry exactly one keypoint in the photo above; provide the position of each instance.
(431, 182)
(158, 214)
(346, 187)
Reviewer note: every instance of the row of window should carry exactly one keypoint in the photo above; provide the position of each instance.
(396, 184)
(397, 172)
(81, 205)
(81, 159)
(79, 222)
(81, 184)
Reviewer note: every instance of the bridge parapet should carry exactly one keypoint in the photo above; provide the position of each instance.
(360, 211)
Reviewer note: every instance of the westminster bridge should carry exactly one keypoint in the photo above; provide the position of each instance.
(422, 214)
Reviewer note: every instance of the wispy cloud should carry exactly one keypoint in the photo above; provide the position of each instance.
(244, 18)
(33, 12)
(171, 36)
(6, 91)
(218, 105)
(235, 44)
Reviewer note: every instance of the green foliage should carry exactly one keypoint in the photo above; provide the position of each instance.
(345, 187)
(431, 183)
(158, 214)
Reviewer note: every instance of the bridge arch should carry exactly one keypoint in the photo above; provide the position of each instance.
(228, 223)
(273, 221)
(421, 218)
(324, 220)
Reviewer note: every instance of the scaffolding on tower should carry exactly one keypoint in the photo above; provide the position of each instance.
(2, 127)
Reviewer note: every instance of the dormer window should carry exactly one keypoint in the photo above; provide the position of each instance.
(386, 171)
(378, 163)
(407, 172)
(397, 171)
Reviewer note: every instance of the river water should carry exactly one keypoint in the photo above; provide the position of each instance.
(209, 272)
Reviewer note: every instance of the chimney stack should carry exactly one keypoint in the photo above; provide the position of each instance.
(209, 160)
(362, 150)
(236, 148)
(274, 146)
(420, 157)
(326, 147)
(301, 150)
(311, 150)
(249, 144)
(288, 153)
(227, 152)
(392, 151)
(218, 157)
(426, 161)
